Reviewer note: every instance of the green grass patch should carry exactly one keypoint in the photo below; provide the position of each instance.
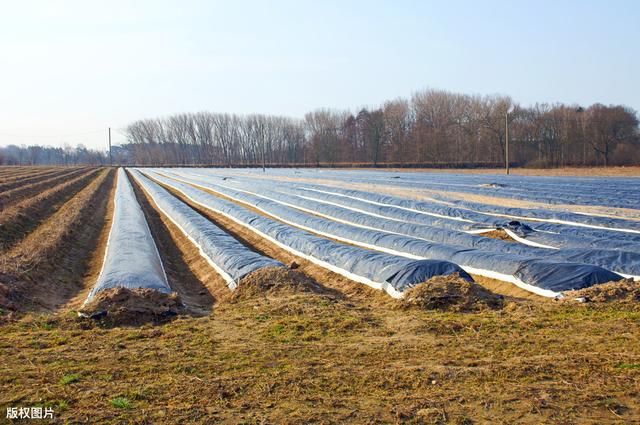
(633, 366)
(121, 403)
(69, 379)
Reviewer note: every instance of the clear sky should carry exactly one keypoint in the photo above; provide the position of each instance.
(70, 69)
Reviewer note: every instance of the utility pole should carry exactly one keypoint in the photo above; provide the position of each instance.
(263, 160)
(110, 160)
(506, 139)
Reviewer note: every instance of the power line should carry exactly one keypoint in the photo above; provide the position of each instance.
(51, 135)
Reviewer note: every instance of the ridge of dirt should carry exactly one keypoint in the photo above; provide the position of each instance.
(42, 271)
(24, 171)
(7, 184)
(132, 307)
(451, 293)
(17, 194)
(17, 220)
(625, 290)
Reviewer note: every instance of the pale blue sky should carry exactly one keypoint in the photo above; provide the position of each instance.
(71, 67)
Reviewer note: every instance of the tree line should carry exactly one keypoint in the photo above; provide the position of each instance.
(432, 128)
(46, 155)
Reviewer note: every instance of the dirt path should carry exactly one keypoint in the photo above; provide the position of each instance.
(18, 220)
(44, 271)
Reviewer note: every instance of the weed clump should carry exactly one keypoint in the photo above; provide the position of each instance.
(451, 293)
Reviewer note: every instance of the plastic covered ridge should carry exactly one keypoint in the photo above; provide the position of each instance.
(131, 259)
(230, 258)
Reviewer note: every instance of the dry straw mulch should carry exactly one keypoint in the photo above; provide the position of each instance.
(451, 293)
(132, 307)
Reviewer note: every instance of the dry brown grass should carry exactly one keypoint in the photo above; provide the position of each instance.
(301, 357)
(451, 293)
(626, 290)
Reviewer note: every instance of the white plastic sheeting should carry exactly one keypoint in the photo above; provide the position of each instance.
(392, 273)
(225, 254)
(131, 259)
(527, 271)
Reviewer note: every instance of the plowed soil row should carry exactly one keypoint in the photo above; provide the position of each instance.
(19, 193)
(7, 176)
(11, 183)
(45, 269)
(12, 171)
(18, 220)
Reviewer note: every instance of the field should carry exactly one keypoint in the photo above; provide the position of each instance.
(331, 296)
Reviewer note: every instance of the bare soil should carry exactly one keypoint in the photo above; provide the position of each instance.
(45, 269)
(499, 234)
(21, 192)
(27, 179)
(17, 220)
(510, 291)
(7, 173)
